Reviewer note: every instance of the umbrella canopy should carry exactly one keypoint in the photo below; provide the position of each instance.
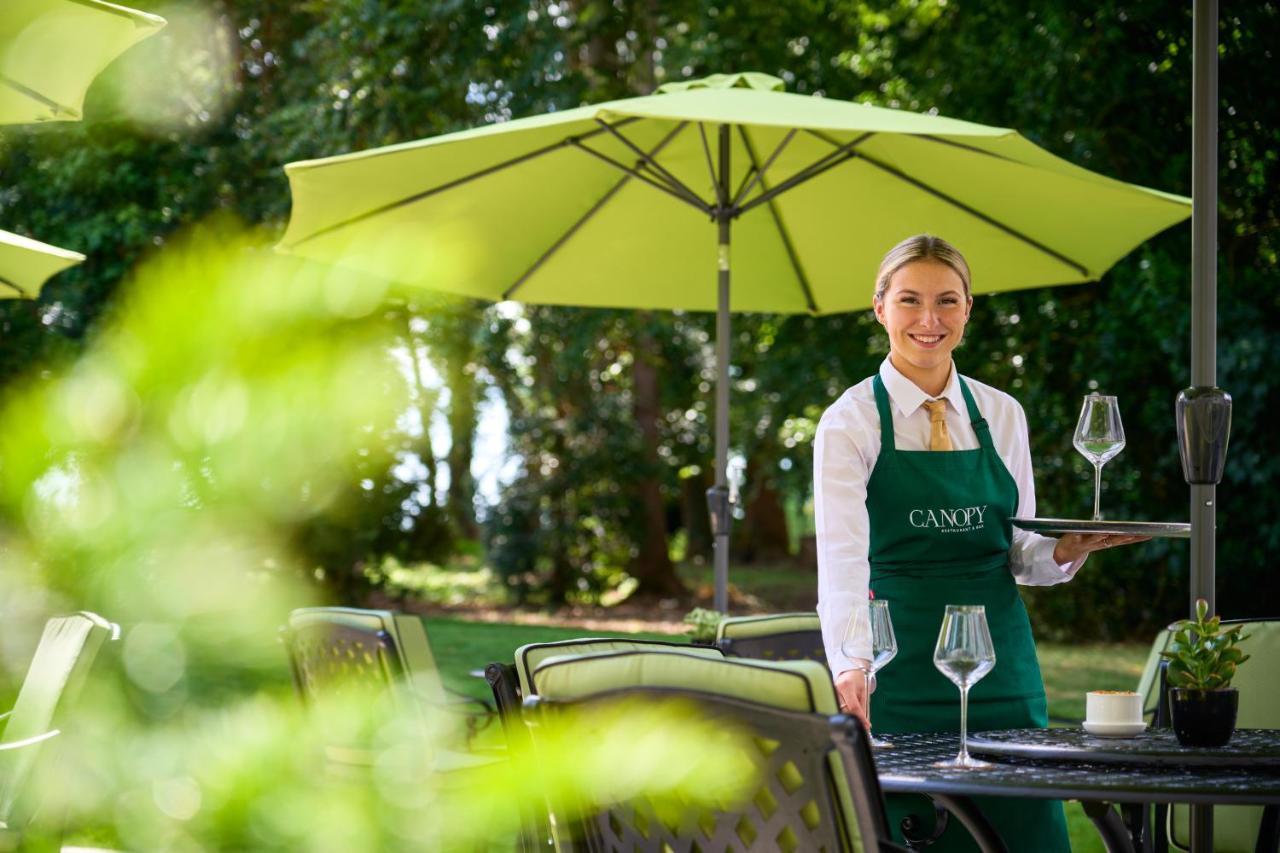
(26, 264)
(479, 212)
(629, 203)
(51, 50)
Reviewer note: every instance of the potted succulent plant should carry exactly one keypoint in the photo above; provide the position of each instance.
(1202, 661)
(703, 624)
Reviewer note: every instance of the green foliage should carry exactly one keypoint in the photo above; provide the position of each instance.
(1201, 655)
(286, 81)
(161, 479)
(703, 624)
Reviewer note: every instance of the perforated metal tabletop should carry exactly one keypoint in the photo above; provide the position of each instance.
(907, 767)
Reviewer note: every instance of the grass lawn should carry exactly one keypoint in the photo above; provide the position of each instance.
(1069, 671)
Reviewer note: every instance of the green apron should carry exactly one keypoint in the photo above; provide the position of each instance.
(940, 534)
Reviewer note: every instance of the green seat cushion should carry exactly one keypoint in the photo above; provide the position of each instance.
(744, 627)
(804, 686)
(530, 656)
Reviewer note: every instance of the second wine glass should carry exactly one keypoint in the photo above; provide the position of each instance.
(964, 654)
(868, 636)
(1099, 437)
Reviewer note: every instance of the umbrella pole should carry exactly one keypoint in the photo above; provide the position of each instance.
(718, 495)
(1203, 410)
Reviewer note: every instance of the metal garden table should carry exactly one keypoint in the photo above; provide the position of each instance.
(1067, 764)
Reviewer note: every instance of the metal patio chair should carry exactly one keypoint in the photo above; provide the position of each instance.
(45, 707)
(378, 653)
(513, 682)
(818, 789)
(774, 636)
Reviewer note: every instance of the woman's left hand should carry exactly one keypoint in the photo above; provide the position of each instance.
(1073, 546)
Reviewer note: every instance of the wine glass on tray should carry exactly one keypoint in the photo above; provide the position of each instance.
(1099, 437)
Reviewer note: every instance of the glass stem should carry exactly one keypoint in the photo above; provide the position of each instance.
(1097, 492)
(964, 724)
(866, 698)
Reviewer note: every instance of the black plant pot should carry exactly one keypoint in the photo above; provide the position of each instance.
(1203, 717)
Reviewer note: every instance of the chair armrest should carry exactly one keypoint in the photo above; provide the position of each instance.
(457, 698)
(29, 741)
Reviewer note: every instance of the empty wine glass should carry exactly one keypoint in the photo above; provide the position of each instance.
(964, 654)
(1099, 437)
(869, 636)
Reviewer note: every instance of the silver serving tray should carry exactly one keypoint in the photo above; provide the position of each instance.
(1166, 529)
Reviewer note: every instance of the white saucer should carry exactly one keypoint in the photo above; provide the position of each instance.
(1115, 729)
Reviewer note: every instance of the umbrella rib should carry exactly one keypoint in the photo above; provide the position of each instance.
(706, 149)
(977, 214)
(760, 170)
(777, 217)
(111, 10)
(577, 226)
(456, 182)
(54, 107)
(666, 176)
(929, 137)
(813, 170)
(640, 176)
(5, 282)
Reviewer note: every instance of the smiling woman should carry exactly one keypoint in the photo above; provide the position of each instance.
(917, 472)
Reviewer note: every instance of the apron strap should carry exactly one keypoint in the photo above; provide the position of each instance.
(886, 416)
(980, 426)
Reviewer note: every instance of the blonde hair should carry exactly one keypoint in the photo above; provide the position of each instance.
(921, 247)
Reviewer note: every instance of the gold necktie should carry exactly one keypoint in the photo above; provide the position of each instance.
(939, 438)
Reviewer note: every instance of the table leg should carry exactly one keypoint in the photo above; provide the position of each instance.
(1115, 837)
(1202, 829)
(1269, 831)
(972, 818)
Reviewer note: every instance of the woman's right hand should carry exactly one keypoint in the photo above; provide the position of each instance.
(851, 688)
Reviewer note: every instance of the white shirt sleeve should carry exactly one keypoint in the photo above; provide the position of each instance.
(1031, 555)
(842, 525)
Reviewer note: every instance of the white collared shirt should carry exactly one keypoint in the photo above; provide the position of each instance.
(845, 452)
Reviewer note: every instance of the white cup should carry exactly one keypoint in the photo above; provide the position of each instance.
(1113, 707)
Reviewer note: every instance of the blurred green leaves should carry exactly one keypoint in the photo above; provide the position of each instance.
(158, 479)
(228, 398)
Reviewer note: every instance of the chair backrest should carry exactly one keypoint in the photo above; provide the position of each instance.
(1235, 828)
(45, 703)
(774, 636)
(512, 683)
(530, 656)
(819, 790)
(382, 653)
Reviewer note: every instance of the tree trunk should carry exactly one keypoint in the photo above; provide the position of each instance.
(425, 401)
(462, 434)
(763, 532)
(695, 516)
(652, 566)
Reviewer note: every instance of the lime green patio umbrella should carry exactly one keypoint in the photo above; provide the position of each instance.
(26, 264)
(51, 50)
(632, 203)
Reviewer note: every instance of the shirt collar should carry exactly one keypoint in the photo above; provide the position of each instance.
(908, 397)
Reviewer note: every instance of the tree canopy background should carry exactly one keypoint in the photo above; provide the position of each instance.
(610, 412)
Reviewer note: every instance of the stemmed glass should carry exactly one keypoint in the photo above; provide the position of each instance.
(1099, 437)
(964, 654)
(869, 636)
